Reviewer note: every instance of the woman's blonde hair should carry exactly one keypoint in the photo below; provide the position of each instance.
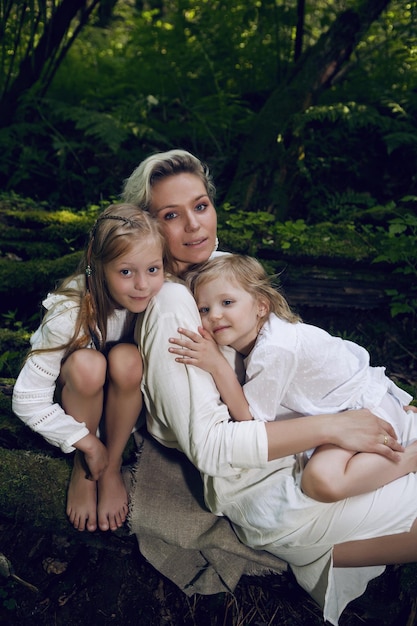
(137, 188)
(251, 276)
(119, 227)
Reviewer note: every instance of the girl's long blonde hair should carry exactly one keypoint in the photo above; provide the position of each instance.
(251, 276)
(117, 228)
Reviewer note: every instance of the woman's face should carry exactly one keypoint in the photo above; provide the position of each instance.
(188, 218)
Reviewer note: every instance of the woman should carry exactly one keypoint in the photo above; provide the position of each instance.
(251, 470)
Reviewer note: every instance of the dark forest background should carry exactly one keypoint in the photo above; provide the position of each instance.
(302, 109)
(306, 113)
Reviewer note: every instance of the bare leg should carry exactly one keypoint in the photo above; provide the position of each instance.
(123, 405)
(335, 474)
(82, 377)
(393, 549)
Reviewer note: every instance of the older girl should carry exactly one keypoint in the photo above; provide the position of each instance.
(84, 349)
(251, 469)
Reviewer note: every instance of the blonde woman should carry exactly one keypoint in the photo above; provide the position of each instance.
(334, 549)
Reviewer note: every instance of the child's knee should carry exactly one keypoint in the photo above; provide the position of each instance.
(125, 365)
(85, 370)
(320, 486)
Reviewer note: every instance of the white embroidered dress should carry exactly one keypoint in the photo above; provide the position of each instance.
(33, 394)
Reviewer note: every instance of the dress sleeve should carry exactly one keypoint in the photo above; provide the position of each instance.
(268, 376)
(184, 407)
(33, 393)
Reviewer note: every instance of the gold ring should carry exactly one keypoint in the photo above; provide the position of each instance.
(386, 440)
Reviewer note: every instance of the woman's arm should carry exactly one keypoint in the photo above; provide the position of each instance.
(200, 349)
(358, 430)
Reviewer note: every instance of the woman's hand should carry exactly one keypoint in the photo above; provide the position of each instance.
(362, 431)
(197, 349)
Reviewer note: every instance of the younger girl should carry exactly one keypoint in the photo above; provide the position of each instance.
(84, 350)
(291, 369)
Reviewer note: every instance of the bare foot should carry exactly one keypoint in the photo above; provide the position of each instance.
(112, 500)
(82, 497)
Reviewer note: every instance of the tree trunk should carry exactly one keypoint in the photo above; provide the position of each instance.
(32, 68)
(299, 33)
(261, 178)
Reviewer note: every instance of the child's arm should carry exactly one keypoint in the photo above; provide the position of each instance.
(202, 351)
(95, 455)
(34, 390)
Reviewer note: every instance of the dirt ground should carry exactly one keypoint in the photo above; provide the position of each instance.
(102, 579)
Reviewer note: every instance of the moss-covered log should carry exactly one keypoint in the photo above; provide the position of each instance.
(33, 476)
(33, 489)
(23, 284)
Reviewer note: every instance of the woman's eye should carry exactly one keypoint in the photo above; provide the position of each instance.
(170, 216)
(201, 207)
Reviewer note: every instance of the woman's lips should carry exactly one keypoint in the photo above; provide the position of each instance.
(195, 243)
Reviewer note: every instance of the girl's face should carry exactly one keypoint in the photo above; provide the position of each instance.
(188, 218)
(230, 314)
(136, 276)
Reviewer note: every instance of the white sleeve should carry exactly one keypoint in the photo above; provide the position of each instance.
(184, 408)
(33, 393)
(268, 376)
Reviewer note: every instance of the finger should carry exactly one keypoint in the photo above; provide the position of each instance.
(179, 351)
(388, 453)
(181, 343)
(182, 359)
(410, 407)
(204, 333)
(388, 429)
(393, 444)
(189, 333)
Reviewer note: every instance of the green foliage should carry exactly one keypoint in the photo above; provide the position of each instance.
(195, 74)
(377, 163)
(259, 234)
(15, 332)
(398, 246)
(244, 231)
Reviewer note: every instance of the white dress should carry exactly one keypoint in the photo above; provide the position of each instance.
(301, 369)
(33, 394)
(261, 498)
